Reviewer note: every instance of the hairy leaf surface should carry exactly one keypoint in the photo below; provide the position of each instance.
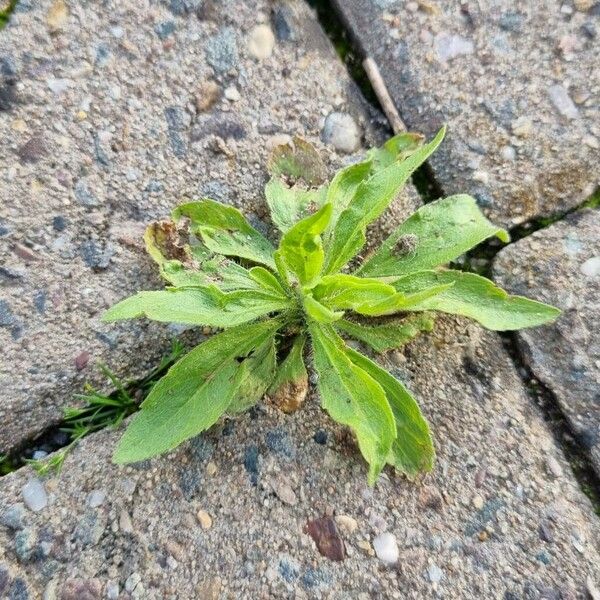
(478, 298)
(434, 235)
(388, 335)
(195, 392)
(198, 306)
(317, 311)
(354, 398)
(371, 198)
(224, 230)
(302, 249)
(412, 450)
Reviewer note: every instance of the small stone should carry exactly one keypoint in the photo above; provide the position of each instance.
(554, 466)
(57, 15)
(478, 502)
(285, 493)
(34, 495)
(434, 573)
(261, 42)
(431, 497)
(39, 455)
(58, 86)
(206, 96)
(164, 30)
(83, 194)
(221, 50)
(522, 127)
(341, 131)
(82, 360)
(508, 153)
(13, 517)
(24, 544)
(279, 139)
(325, 535)
(132, 582)
(320, 437)
(112, 590)
(448, 46)
(211, 469)
(125, 524)
(591, 267)
(346, 523)
(204, 519)
(232, 94)
(96, 498)
(562, 101)
(33, 149)
(81, 589)
(386, 548)
(27, 254)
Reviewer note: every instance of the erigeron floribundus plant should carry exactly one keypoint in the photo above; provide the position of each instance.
(280, 306)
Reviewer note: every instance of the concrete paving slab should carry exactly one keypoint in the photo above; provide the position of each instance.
(230, 514)
(561, 264)
(111, 114)
(516, 83)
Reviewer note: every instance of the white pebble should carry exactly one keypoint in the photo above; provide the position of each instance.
(448, 46)
(386, 548)
(434, 573)
(591, 267)
(96, 498)
(261, 42)
(562, 101)
(58, 86)
(508, 153)
(34, 495)
(232, 94)
(554, 466)
(341, 131)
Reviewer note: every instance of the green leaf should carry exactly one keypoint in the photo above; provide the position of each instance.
(259, 372)
(388, 335)
(343, 291)
(267, 281)
(183, 263)
(288, 205)
(206, 306)
(412, 451)
(315, 310)
(194, 393)
(434, 235)
(290, 385)
(401, 301)
(298, 160)
(224, 230)
(478, 298)
(370, 200)
(352, 397)
(302, 249)
(396, 149)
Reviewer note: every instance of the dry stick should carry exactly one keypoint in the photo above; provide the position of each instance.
(380, 89)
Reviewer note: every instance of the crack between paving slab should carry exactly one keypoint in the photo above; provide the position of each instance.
(363, 69)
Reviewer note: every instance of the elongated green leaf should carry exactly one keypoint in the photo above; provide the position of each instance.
(352, 397)
(267, 281)
(290, 385)
(198, 306)
(343, 291)
(195, 392)
(302, 249)
(288, 205)
(224, 230)
(478, 298)
(434, 235)
(345, 182)
(183, 263)
(258, 374)
(412, 451)
(401, 301)
(388, 335)
(315, 310)
(371, 198)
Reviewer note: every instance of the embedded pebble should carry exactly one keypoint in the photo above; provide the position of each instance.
(125, 524)
(204, 519)
(562, 101)
(34, 495)
(261, 42)
(449, 46)
(96, 498)
(554, 466)
(591, 267)
(232, 94)
(434, 573)
(346, 523)
(341, 131)
(386, 548)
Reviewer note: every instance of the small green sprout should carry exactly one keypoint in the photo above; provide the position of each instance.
(279, 306)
